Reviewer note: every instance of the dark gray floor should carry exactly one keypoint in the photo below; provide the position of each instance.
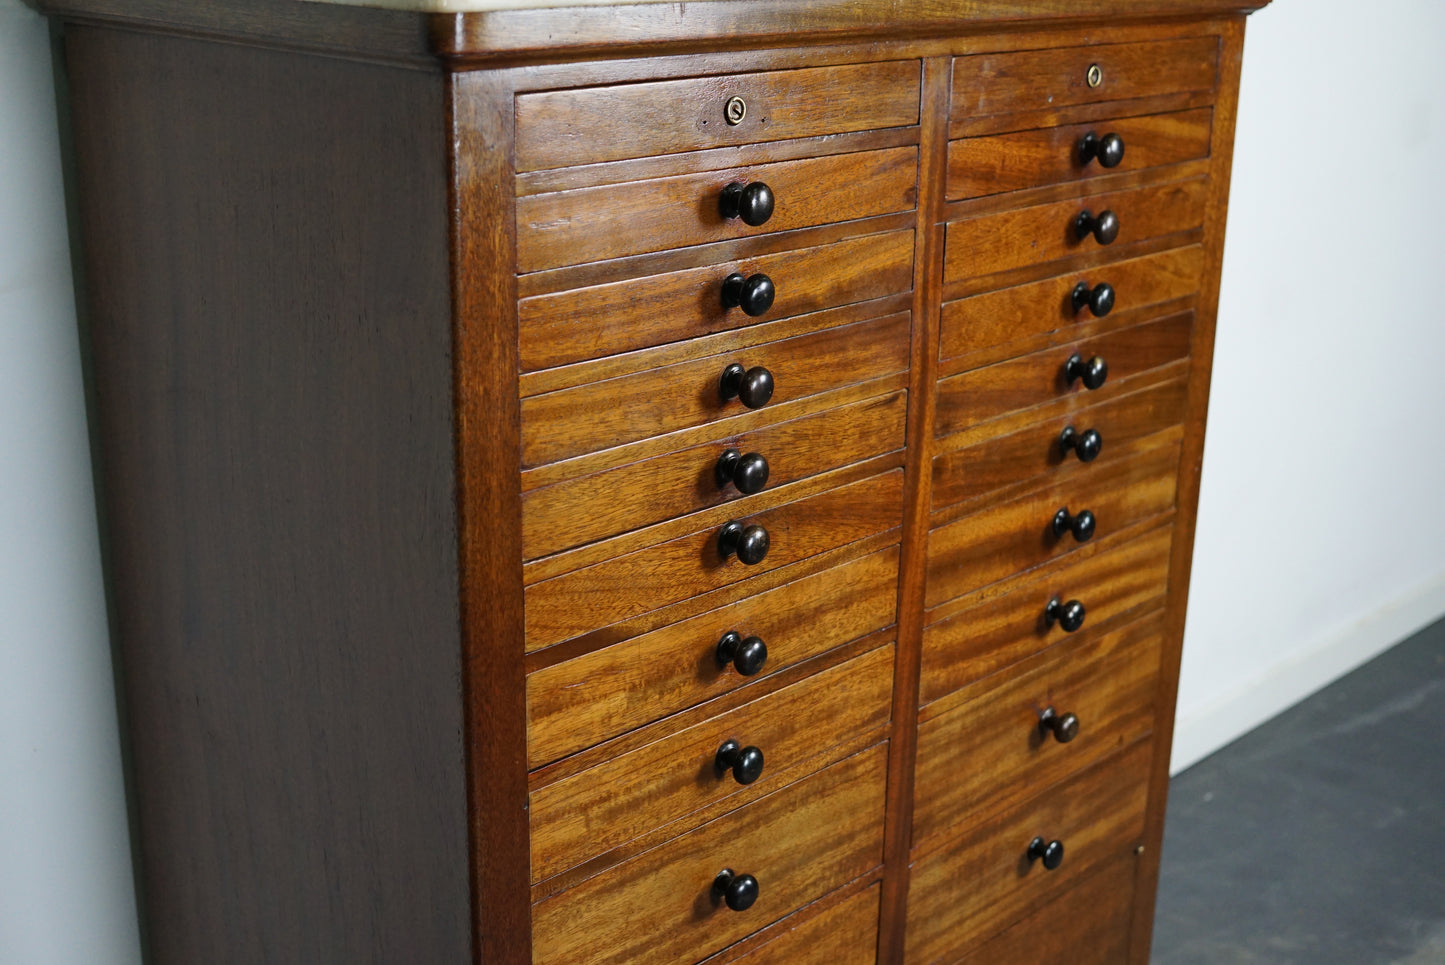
(1319, 837)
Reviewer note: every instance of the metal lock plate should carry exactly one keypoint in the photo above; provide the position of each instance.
(735, 110)
(1095, 76)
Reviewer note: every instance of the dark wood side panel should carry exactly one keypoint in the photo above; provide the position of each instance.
(267, 277)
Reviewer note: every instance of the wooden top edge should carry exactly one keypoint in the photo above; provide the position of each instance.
(518, 29)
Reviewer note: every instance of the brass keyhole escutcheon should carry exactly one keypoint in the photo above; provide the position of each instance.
(735, 109)
(1095, 76)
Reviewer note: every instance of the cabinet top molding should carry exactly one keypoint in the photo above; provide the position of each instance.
(519, 29)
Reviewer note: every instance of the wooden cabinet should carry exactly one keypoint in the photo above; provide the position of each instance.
(656, 483)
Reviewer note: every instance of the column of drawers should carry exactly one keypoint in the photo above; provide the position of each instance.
(713, 404)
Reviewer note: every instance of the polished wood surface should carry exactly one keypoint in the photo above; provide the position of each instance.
(844, 934)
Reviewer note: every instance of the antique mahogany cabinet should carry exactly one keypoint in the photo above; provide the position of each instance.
(653, 483)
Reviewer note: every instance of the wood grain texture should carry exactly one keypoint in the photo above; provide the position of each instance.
(611, 221)
(590, 698)
(634, 313)
(845, 933)
(986, 325)
(659, 907)
(976, 885)
(1044, 233)
(596, 416)
(1037, 79)
(982, 166)
(595, 124)
(284, 599)
(802, 726)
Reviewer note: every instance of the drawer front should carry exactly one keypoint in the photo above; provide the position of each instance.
(972, 397)
(991, 751)
(969, 890)
(591, 812)
(592, 124)
(1038, 452)
(982, 166)
(799, 843)
(845, 934)
(1016, 535)
(1046, 232)
(634, 313)
(599, 415)
(989, 323)
(982, 636)
(615, 220)
(1036, 80)
(586, 700)
(626, 586)
(588, 508)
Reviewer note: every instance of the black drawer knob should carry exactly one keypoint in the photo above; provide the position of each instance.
(751, 202)
(1069, 615)
(1107, 150)
(749, 542)
(753, 386)
(746, 763)
(1082, 525)
(1086, 445)
(1050, 852)
(1064, 727)
(746, 654)
(754, 294)
(1104, 227)
(1092, 373)
(749, 473)
(738, 891)
(1099, 300)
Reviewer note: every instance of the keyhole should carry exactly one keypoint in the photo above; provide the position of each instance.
(736, 109)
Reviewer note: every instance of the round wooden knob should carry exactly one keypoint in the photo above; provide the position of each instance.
(1099, 300)
(750, 543)
(754, 386)
(1064, 727)
(1092, 373)
(1107, 150)
(738, 891)
(1069, 615)
(1082, 525)
(746, 654)
(749, 473)
(753, 203)
(1104, 227)
(1086, 445)
(754, 294)
(1051, 853)
(746, 763)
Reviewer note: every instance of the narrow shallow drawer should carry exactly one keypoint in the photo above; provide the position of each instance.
(614, 220)
(1104, 430)
(805, 725)
(981, 166)
(990, 322)
(979, 637)
(634, 313)
(1036, 235)
(599, 595)
(588, 508)
(598, 415)
(981, 394)
(1088, 925)
(845, 933)
(1012, 536)
(591, 124)
(992, 750)
(1032, 80)
(584, 701)
(970, 889)
(798, 843)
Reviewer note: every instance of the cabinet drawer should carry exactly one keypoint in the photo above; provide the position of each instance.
(1012, 536)
(589, 813)
(1043, 233)
(604, 593)
(659, 907)
(976, 396)
(587, 418)
(588, 508)
(979, 637)
(1037, 452)
(592, 124)
(1029, 80)
(1021, 315)
(636, 313)
(981, 166)
(990, 751)
(610, 221)
(599, 695)
(845, 934)
(970, 889)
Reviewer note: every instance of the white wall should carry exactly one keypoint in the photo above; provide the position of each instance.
(1320, 541)
(65, 883)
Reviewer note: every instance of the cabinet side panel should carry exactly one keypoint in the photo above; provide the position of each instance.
(266, 241)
